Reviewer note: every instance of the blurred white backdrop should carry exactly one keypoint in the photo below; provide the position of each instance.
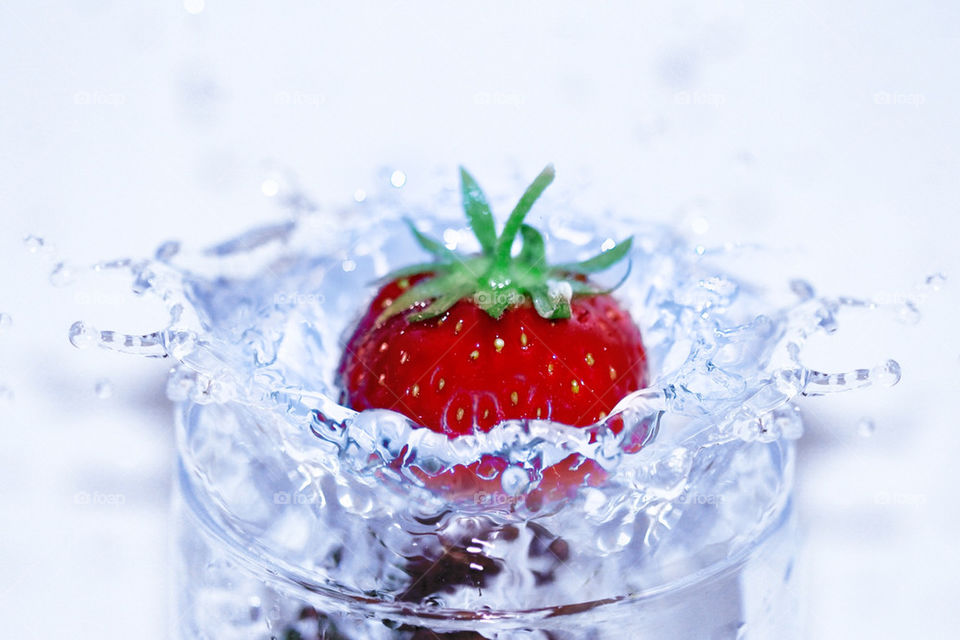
(828, 132)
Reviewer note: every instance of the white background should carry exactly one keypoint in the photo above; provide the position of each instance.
(830, 132)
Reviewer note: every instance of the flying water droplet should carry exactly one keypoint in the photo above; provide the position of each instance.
(866, 427)
(103, 388)
(887, 374)
(5, 321)
(908, 313)
(83, 336)
(33, 243)
(934, 282)
(398, 178)
(6, 394)
(167, 250)
(802, 289)
(62, 275)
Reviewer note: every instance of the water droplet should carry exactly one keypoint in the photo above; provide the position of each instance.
(167, 250)
(33, 243)
(180, 344)
(5, 321)
(359, 195)
(398, 178)
(514, 480)
(700, 225)
(62, 275)
(6, 394)
(194, 7)
(888, 373)
(934, 282)
(802, 289)
(487, 469)
(866, 427)
(103, 388)
(270, 187)
(908, 313)
(83, 336)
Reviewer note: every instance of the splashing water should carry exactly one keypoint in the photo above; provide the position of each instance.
(699, 462)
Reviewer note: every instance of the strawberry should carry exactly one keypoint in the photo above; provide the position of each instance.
(462, 343)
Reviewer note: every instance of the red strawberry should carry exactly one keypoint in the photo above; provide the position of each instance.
(465, 342)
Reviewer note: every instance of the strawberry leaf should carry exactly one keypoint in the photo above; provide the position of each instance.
(549, 305)
(430, 245)
(533, 254)
(495, 279)
(478, 212)
(443, 302)
(424, 291)
(510, 229)
(599, 262)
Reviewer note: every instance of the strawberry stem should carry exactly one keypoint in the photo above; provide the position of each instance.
(495, 279)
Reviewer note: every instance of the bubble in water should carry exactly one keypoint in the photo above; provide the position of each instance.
(487, 469)
(33, 243)
(83, 336)
(180, 344)
(802, 289)
(103, 388)
(5, 321)
(62, 275)
(514, 480)
(866, 427)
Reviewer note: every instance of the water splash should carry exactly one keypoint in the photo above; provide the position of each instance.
(254, 333)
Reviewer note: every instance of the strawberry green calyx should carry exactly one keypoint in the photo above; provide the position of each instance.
(496, 279)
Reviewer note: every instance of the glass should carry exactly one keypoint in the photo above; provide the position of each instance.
(239, 507)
